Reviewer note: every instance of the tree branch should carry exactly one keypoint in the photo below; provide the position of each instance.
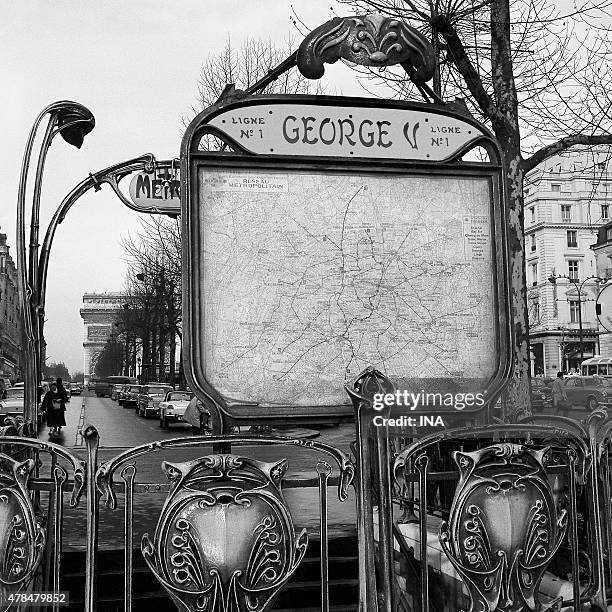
(459, 57)
(562, 145)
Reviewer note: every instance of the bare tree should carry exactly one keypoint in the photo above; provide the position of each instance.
(153, 312)
(538, 75)
(244, 66)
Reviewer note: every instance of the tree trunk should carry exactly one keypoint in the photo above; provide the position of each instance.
(182, 379)
(172, 356)
(518, 397)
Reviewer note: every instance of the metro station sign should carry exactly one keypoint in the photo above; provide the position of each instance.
(323, 236)
(346, 131)
(159, 190)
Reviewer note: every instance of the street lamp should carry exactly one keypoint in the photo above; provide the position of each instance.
(578, 285)
(73, 121)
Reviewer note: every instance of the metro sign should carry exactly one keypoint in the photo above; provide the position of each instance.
(157, 191)
(303, 128)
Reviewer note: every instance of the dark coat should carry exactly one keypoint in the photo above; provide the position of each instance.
(55, 406)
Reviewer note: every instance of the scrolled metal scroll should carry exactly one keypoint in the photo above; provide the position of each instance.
(23, 537)
(367, 40)
(225, 539)
(503, 528)
(104, 476)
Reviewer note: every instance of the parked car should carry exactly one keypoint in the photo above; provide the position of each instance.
(12, 404)
(150, 397)
(104, 387)
(541, 393)
(121, 394)
(116, 390)
(588, 391)
(172, 409)
(130, 396)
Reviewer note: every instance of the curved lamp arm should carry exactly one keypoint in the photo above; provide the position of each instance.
(111, 175)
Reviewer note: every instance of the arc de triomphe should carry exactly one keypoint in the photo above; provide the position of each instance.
(99, 313)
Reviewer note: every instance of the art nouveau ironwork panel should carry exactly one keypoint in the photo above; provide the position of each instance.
(527, 492)
(35, 478)
(504, 527)
(367, 40)
(225, 538)
(514, 502)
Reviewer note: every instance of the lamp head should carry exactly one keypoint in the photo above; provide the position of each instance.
(552, 280)
(74, 122)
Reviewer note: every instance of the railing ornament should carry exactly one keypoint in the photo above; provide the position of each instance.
(22, 538)
(225, 540)
(503, 528)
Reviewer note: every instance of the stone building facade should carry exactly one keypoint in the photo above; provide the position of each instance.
(99, 314)
(10, 321)
(567, 199)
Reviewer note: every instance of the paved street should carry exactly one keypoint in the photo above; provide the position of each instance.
(120, 429)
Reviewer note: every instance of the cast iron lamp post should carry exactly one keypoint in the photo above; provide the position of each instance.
(73, 121)
(578, 285)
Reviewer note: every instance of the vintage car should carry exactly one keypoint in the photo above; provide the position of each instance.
(172, 409)
(122, 394)
(150, 397)
(588, 391)
(104, 387)
(116, 391)
(130, 396)
(541, 393)
(76, 389)
(12, 404)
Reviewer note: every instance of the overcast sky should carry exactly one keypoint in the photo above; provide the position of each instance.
(135, 65)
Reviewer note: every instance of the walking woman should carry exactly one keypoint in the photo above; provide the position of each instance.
(54, 404)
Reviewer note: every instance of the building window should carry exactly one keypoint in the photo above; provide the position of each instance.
(572, 269)
(566, 212)
(534, 273)
(609, 234)
(572, 238)
(574, 308)
(533, 214)
(533, 242)
(605, 211)
(556, 187)
(535, 310)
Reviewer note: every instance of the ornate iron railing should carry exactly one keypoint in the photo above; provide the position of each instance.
(190, 554)
(35, 479)
(513, 505)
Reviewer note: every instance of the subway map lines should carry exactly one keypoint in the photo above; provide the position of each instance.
(310, 278)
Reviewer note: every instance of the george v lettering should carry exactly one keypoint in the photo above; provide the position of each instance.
(341, 131)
